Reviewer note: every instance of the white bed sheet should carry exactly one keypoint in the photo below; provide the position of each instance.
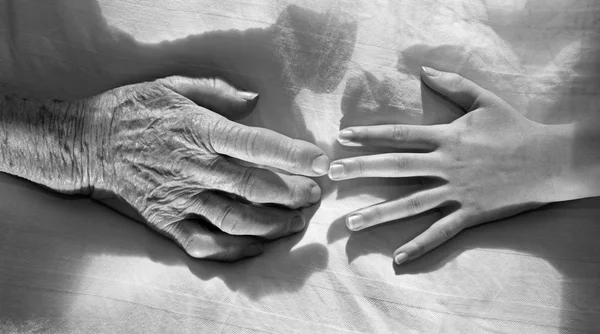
(71, 265)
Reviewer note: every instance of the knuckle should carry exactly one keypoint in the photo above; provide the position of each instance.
(234, 227)
(167, 82)
(473, 204)
(458, 83)
(207, 84)
(297, 195)
(230, 136)
(419, 248)
(249, 139)
(224, 221)
(246, 183)
(216, 134)
(452, 136)
(446, 232)
(290, 153)
(399, 163)
(399, 133)
(414, 204)
(458, 137)
(358, 167)
(376, 213)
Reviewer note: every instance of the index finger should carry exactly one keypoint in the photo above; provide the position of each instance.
(393, 135)
(268, 148)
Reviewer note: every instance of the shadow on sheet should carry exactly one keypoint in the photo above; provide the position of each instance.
(302, 50)
(265, 61)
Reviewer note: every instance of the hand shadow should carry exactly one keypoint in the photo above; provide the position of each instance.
(302, 50)
(95, 231)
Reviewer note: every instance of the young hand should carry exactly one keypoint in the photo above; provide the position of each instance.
(493, 163)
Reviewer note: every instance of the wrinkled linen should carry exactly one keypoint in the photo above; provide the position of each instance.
(68, 264)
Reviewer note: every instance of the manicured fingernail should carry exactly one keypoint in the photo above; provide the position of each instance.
(400, 258)
(248, 96)
(336, 171)
(354, 222)
(321, 165)
(297, 224)
(315, 194)
(431, 72)
(254, 249)
(345, 137)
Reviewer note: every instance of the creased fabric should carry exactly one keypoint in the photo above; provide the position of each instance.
(71, 265)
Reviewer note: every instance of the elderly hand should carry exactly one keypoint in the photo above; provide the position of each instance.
(167, 153)
(493, 163)
(165, 150)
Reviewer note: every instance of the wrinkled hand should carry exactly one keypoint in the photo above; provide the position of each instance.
(164, 148)
(493, 163)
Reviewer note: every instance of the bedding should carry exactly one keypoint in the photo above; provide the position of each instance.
(68, 264)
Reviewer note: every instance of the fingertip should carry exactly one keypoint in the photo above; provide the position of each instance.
(297, 224)
(247, 96)
(336, 171)
(355, 222)
(429, 72)
(214, 94)
(400, 256)
(315, 194)
(254, 249)
(320, 165)
(238, 252)
(345, 137)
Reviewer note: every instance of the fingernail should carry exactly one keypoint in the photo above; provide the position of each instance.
(297, 224)
(336, 171)
(400, 258)
(321, 165)
(345, 136)
(431, 72)
(254, 249)
(354, 222)
(315, 194)
(248, 96)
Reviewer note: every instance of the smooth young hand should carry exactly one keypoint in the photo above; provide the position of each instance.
(492, 163)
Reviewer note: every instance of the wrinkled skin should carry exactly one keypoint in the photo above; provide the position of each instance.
(167, 153)
(489, 164)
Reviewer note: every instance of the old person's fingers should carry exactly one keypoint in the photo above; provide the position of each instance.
(385, 165)
(236, 218)
(408, 206)
(437, 234)
(264, 186)
(462, 91)
(256, 145)
(268, 148)
(214, 94)
(202, 243)
(393, 135)
(173, 161)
